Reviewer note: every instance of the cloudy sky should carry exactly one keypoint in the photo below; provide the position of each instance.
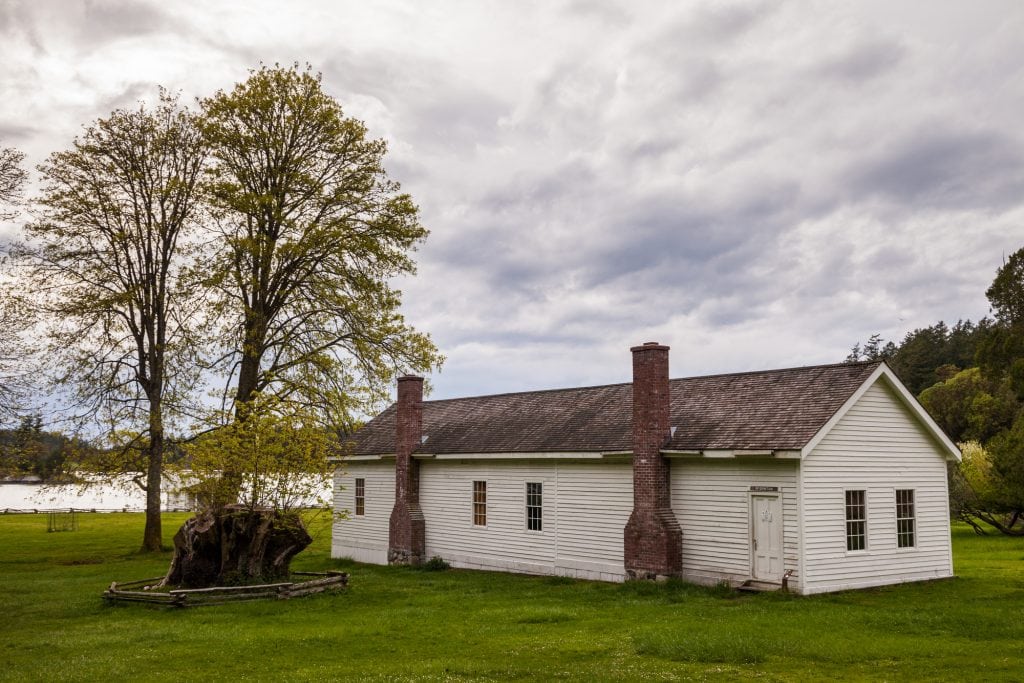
(755, 184)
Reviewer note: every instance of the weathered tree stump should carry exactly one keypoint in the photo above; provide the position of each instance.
(235, 544)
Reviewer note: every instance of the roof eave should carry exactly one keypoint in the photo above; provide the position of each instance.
(361, 457)
(504, 455)
(776, 453)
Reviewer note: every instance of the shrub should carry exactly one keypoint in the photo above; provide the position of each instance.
(435, 564)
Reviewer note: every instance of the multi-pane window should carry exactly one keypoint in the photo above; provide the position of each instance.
(480, 503)
(360, 496)
(905, 518)
(534, 505)
(856, 520)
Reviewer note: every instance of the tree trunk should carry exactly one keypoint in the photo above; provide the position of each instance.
(152, 537)
(254, 336)
(248, 382)
(233, 544)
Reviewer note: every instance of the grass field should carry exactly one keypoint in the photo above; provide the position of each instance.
(402, 624)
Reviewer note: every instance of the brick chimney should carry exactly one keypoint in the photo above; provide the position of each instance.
(653, 538)
(406, 531)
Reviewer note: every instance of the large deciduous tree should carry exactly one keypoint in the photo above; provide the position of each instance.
(106, 261)
(313, 231)
(13, 376)
(970, 406)
(12, 180)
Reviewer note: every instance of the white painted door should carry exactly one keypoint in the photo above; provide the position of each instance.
(766, 537)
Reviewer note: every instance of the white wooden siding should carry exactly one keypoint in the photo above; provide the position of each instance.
(446, 497)
(585, 508)
(878, 447)
(711, 500)
(594, 502)
(364, 537)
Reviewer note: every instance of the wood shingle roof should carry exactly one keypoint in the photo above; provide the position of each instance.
(773, 409)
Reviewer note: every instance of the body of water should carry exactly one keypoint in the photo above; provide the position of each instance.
(117, 495)
(120, 494)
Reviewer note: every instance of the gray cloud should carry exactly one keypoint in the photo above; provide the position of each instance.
(84, 25)
(864, 61)
(111, 19)
(455, 121)
(606, 12)
(128, 97)
(944, 168)
(715, 23)
(12, 133)
(753, 183)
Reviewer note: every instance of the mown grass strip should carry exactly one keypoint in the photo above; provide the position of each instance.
(398, 624)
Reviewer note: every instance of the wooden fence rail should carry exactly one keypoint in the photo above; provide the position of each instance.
(44, 511)
(194, 597)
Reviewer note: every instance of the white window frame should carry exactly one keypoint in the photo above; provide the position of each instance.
(901, 533)
(359, 491)
(535, 502)
(479, 507)
(863, 519)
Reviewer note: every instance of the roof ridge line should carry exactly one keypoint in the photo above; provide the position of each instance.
(671, 379)
(860, 363)
(529, 391)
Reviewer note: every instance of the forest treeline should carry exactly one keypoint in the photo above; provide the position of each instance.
(970, 378)
(29, 451)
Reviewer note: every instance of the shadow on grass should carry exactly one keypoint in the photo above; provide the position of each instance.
(675, 590)
(552, 615)
(703, 648)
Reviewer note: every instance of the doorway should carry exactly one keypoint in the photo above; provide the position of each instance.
(766, 537)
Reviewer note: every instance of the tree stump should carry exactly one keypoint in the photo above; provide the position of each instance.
(235, 544)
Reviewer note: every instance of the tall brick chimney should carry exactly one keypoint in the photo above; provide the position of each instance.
(406, 531)
(653, 538)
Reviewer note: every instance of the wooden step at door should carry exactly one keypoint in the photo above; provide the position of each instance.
(752, 586)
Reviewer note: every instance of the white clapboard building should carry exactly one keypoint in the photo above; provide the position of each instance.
(823, 478)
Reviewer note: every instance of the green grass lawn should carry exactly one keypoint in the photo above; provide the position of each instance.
(402, 624)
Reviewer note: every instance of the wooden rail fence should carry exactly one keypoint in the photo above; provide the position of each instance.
(133, 591)
(45, 511)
